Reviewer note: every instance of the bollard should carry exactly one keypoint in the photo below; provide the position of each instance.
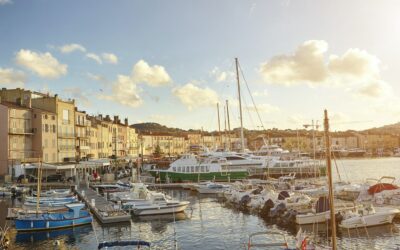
(93, 202)
(83, 193)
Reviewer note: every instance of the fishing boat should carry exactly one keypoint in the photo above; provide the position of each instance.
(54, 193)
(74, 217)
(158, 203)
(138, 192)
(191, 168)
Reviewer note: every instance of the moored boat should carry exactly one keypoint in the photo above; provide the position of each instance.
(189, 168)
(74, 217)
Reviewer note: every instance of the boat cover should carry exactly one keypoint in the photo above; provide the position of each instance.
(322, 204)
(377, 188)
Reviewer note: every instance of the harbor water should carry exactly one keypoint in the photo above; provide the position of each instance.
(210, 224)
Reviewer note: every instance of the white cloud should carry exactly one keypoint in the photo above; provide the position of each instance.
(43, 64)
(356, 70)
(12, 78)
(110, 58)
(154, 76)
(78, 94)
(375, 89)
(94, 57)
(4, 2)
(221, 76)
(260, 93)
(124, 91)
(68, 48)
(193, 96)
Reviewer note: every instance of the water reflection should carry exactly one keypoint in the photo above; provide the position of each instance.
(69, 235)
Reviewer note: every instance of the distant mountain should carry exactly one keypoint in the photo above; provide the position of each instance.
(155, 127)
(386, 129)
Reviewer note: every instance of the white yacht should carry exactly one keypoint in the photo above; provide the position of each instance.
(158, 203)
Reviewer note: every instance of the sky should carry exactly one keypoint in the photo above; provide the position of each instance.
(171, 61)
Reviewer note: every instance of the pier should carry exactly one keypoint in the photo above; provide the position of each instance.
(103, 209)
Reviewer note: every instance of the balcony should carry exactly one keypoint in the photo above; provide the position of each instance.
(83, 148)
(20, 131)
(66, 135)
(81, 124)
(66, 147)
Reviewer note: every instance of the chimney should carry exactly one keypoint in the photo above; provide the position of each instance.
(107, 118)
(100, 116)
(126, 121)
(28, 102)
(116, 119)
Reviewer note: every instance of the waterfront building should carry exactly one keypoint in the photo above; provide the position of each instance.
(65, 113)
(93, 139)
(133, 143)
(82, 130)
(16, 136)
(44, 125)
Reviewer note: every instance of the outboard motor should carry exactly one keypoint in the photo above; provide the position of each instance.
(266, 208)
(244, 201)
(322, 205)
(278, 210)
(283, 195)
(258, 190)
(289, 218)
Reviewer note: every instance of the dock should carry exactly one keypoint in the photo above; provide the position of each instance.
(104, 210)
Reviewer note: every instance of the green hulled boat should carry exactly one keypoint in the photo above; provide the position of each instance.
(189, 168)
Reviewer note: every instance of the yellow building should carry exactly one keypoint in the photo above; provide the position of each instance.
(133, 143)
(44, 125)
(93, 139)
(65, 111)
(16, 136)
(82, 129)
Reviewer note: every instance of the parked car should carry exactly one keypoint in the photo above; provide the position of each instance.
(54, 178)
(30, 178)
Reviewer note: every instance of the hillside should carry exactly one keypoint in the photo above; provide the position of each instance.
(147, 127)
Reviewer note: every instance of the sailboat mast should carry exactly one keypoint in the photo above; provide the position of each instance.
(219, 125)
(240, 105)
(330, 183)
(229, 124)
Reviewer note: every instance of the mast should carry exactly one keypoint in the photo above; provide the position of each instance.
(225, 128)
(229, 124)
(240, 105)
(219, 124)
(38, 190)
(330, 184)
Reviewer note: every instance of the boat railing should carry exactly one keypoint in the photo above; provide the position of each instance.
(281, 243)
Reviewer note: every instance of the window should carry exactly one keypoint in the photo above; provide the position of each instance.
(45, 117)
(46, 158)
(45, 143)
(53, 143)
(66, 115)
(54, 128)
(46, 128)
(53, 117)
(54, 157)
(34, 116)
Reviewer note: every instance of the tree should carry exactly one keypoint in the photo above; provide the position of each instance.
(157, 151)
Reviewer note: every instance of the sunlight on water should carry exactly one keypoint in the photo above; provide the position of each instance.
(209, 224)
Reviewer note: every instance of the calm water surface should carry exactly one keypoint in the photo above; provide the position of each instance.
(209, 224)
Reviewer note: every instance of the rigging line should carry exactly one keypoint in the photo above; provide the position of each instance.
(251, 96)
(248, 111)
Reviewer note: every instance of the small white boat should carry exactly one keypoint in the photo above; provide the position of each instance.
(367, 216)
(138, 192)
(54, 193)
(211, 188)
(157, 204)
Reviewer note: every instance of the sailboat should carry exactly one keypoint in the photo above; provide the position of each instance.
(75, 216)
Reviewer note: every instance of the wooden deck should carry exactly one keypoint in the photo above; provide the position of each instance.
(104, 210)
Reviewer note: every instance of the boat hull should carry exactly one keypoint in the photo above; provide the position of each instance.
(312, 218)
(368, 220)
(155, 210)
(194, 177)
(40, 225)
